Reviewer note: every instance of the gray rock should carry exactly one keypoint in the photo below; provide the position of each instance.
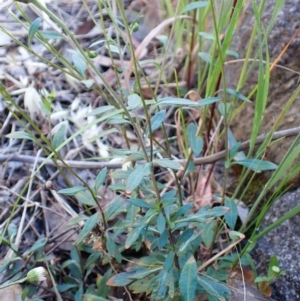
(284, 242)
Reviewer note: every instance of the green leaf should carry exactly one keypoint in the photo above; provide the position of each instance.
(40, 243)
(286, 163)
(121, 279)
(88, 83)
(238, 95)
(114, 48)
(141, 273)
(101, 110)
(186, 235)
(134, 101)
(72, 190)
(20, 135)
(89, 297)
(137, 176)
(60, 136)
(78, 61)
(257, 165)
(160, 286)
(85, 197)
(65, 287)
(139, 286)
(232, 215)
(167, 163)
(33, 29)
(163, 239)
(102, 289)
(185, 102)
(202, 215)
(87, 228)
(212, 287)
(196, 143)
(169, 198)
(133, 236)
(100, 178)
(169, 261)
(91, 260)
(195, 5)
(176, 102)
(205, 57)
(188, 280)
(163, 39)
(157, 120)
(208, 101)
(261, 279)
(208, 233)
(79, 293)
(233, 53)
(234, 149)
(50, 35)
(140, 203)
(161, 223)
(222, 107)
(182, 210)
(207, 36)
(114, 208)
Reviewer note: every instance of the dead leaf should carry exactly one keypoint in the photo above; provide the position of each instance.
(11, 293)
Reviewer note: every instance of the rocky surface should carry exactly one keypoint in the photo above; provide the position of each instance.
(283, 82)
(284, 242)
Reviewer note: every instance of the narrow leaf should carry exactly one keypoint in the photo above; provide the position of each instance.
(167, 163)
(121, 279)
(72, 190)
(140, 203)
(133, 236)
(205, 57)
(137, 176)
(161, 223)
(37, 245)
(163, 240)
(60, 136)
(20, 135)
(195, 5)
(232, 214)
(257, 165)
(212, 287)
(114, 208)
(33, 29)
(196, 143)
(177, 102)
(87, 228)
(89, 297)
(78, 61)
(207, 36)
(238, 95)
(100, 178)
(50, 35)
(85, 197)
(157, 120)
(143, 272)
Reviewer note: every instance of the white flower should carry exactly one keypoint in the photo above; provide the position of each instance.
(37, 275)
(32, 101)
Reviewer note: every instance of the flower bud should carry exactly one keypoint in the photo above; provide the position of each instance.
(37, 275)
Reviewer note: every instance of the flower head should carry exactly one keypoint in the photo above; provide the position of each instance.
(37, 275)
